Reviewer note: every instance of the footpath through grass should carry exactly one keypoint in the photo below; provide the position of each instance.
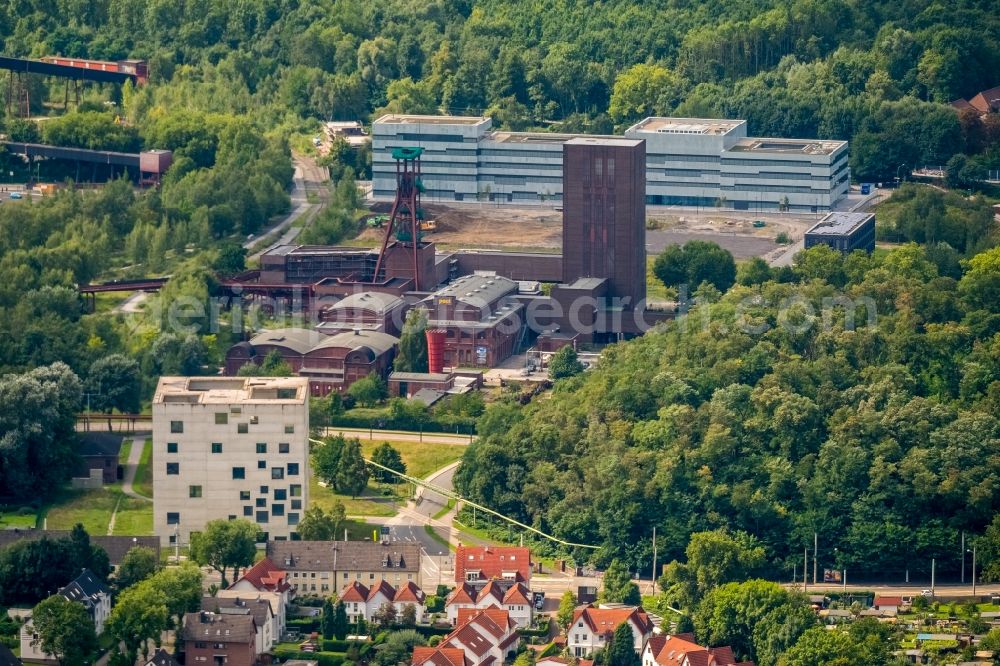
(421, 459)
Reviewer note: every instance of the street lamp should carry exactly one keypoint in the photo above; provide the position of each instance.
(973, 567)
(897, 172)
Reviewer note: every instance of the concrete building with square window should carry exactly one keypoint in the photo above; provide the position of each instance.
(230, 447)
(696, 162)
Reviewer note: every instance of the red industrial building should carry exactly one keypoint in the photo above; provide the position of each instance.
(367, 310)
(483, 323)
(331, 363)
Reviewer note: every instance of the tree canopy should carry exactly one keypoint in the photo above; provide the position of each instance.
(225, 544)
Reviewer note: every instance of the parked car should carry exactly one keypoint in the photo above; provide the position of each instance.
(16, 195)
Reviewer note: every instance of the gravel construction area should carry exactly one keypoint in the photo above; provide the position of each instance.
(488, 226)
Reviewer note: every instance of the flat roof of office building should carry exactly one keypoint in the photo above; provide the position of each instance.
(839, 223)
(530, 137)
(412, 119)
(785, 146)
(705, 126)
(604, 141)
(231, 390)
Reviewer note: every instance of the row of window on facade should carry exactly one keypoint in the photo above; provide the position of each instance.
(277, 511)
(222, 418)
(216, 447)
(174, 468)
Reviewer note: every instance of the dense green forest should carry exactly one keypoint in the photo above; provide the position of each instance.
(764, 410)
(877, 73)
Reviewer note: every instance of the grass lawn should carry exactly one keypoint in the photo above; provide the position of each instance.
(365, 505)
(421, 458)
(22, 518)
(144, 472)
(125, 451)
(135, 517)
(93, 508)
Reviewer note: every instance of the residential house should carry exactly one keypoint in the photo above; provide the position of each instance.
(681, 650)
(486, 637)
(85, 589)
(478, 565)
(439, 656)
(987, 101)
(99, 451)
(888, 604)
(162, 658)
(259, 608)
(219, 639)
(592, 628)
(516, 600)
(364, 602)
(265, 580)
(115, 546)
(330, 567)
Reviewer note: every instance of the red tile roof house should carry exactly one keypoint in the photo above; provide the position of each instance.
(681, 650)
(592, 628)
(483, 638)
(361, 601)
(516, 600)
(478, 565)
(266, 581)
(220, 639)
(891, 604)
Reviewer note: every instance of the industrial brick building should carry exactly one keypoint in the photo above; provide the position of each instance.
(482, 321)
(844, 232)
(330, 362)
(230, 447)
(689, 162)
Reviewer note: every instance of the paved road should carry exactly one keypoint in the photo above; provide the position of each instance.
(950, 591)
(784, 256)
(308, 178)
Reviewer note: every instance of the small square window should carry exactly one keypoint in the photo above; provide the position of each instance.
(216, 447)
(254, 420)
(232, 516)
(248, 511)
(289, 429)
(295, 490)
(242, 428)
(261, 447)
(283, 447)
(296, 504)
(280, 493)
(173, 518)
(261, 464)
(239, 473)
(244, 495)
(261, 502)
(293, 519)
(277, 509)
(262, 516)
(264, 490)
(235, 410)
(278, 472)
(221, 418)
(194, 491)
(177, 426)
(293, 469)
(173, 468)
(171, 447)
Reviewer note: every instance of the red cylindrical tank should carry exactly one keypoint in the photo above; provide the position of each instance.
(435, 349)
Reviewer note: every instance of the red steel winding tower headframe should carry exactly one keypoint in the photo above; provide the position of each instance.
(404, 219)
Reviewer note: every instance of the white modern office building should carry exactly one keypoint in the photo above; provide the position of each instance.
(689, 162)
(230, 447)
